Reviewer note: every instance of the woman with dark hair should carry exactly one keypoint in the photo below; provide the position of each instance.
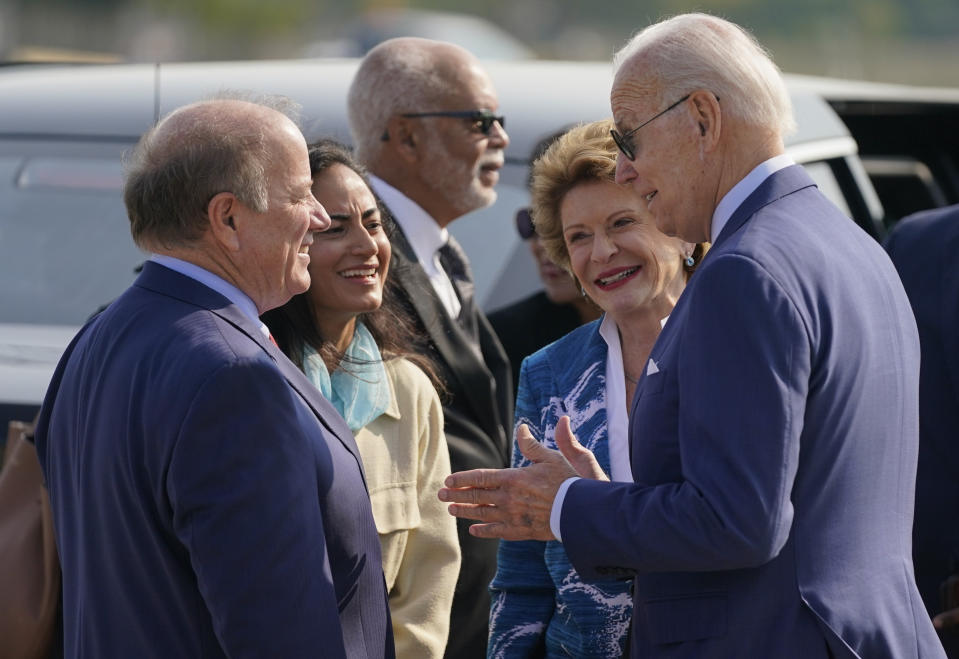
(350, 337)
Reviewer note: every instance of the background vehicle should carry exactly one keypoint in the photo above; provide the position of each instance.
(879, 151)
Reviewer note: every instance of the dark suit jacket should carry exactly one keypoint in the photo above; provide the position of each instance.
(924, 248)
(208, 501)
(530, 324)
(478, 413)
(773, 451)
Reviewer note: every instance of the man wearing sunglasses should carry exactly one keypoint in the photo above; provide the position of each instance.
(425, 122)
(774, 432)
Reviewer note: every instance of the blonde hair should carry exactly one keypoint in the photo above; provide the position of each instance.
(584, 154)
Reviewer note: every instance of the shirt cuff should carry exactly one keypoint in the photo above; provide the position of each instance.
(556, 513)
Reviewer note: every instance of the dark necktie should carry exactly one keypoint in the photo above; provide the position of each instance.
(457, 267)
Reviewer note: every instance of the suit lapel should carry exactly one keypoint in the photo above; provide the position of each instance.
(776, 186)
(450, 340)
(168, 282)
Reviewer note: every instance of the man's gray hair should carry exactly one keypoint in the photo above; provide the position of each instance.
(699, 51)
(191, 155)
(399, 75)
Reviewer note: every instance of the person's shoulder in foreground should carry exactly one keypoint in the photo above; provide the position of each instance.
(933, 225)
(923, 247)
(190, 467)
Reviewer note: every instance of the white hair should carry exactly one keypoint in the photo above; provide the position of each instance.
(699, 51)
(399, 75)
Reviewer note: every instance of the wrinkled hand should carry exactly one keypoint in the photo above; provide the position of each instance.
(515, 504)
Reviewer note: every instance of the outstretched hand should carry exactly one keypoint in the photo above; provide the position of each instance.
(515, 504)
(580, 457)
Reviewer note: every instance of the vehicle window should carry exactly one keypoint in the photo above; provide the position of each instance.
(822, 174)
(64, 232)
(70, 173)
(904, 186)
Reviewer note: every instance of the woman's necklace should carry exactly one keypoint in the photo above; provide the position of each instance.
(631, 379)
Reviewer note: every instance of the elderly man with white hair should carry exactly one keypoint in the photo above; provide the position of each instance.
(774, 431)
(425, 123)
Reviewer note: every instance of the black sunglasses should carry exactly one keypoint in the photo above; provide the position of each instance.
(484, 118)
(524, 224)
(624, 141)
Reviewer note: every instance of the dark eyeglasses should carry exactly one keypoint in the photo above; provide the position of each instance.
(484, 118)
(524, 224)
(624, 141)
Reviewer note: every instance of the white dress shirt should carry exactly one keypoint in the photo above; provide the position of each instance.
(617, 407)
(425, 236)
(724, 210)
(217, 283)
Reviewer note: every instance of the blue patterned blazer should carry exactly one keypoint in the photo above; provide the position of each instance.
(539, 603)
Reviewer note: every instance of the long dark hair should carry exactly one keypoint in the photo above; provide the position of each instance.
(293, 325)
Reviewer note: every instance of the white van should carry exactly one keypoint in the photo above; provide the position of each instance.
(879, 151)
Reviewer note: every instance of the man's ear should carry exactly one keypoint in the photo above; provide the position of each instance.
(403, 137)
(221, 212)
(708, 116)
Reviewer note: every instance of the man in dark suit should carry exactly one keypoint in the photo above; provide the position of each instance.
(923, 248)
(208, 501)
(422, 114)
(774, 432)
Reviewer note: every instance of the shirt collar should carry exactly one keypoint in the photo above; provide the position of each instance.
(217, 283)
(739, 192)
(609, 332)
(420, 229)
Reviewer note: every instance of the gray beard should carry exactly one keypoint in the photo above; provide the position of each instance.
(456, 183)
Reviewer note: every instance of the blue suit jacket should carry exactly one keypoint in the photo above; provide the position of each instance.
(208, 501)
(924, 247)
(774, 451)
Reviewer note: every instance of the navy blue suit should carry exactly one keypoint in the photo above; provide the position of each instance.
(208, 502)
(773, 450)
(924, 248)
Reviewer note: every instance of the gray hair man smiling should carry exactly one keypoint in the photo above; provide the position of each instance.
(208, 501)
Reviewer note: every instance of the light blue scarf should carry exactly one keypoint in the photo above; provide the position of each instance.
(361, 392)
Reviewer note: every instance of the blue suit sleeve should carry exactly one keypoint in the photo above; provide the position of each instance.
(243, 484)
(523, 594)
(742, 381)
